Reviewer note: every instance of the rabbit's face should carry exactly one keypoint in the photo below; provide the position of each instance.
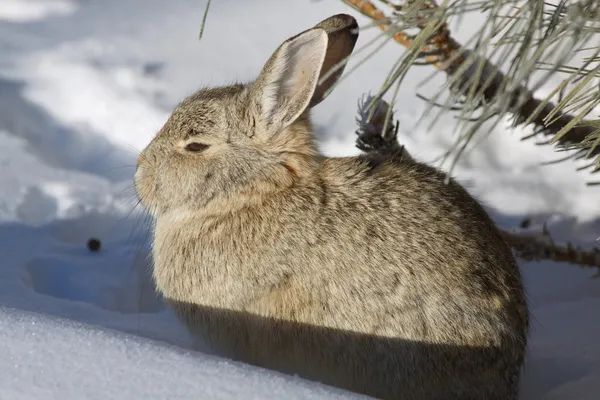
(214, 148)
(225, 147)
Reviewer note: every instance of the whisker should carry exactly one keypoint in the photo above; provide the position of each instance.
(147, 221)
(117, 168)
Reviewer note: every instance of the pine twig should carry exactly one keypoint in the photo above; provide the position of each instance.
(528, 247)
(448, 56)
(204, 20)
(371, 134)
(535, 247)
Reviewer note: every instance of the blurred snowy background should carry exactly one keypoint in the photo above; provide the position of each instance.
(84, 86)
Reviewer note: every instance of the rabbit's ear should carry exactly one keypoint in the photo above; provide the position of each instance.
(342, 31)
(288, 80)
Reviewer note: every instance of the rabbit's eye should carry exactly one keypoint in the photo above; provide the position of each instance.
(196, 147)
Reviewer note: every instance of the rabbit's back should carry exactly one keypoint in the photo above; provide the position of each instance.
(392, 239)
(378, 276)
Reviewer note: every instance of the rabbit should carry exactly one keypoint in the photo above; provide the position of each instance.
(369, 273)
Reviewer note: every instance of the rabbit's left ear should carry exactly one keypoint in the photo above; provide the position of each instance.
(288, 83)
(342, 34)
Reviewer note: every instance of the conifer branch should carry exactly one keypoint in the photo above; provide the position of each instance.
(479, 80)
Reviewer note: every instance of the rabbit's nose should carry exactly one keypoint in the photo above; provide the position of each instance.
(139, 172)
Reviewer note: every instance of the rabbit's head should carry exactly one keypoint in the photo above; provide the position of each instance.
(229, 145)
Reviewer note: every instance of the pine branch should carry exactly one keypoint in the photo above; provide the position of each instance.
(471, 74)
(375, 136)
(540, 246)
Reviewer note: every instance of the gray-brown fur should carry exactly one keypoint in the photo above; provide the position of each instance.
(366, 273)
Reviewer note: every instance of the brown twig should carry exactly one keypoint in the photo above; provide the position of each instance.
(450, 55)
(534, 247)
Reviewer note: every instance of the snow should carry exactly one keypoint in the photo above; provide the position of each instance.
(84, 86)
(31, 10)
(125, 367)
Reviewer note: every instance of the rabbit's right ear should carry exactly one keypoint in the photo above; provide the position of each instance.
(289, 81)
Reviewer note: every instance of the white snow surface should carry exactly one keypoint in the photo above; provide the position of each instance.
(101, 364)
(31, 10)
(84, 86)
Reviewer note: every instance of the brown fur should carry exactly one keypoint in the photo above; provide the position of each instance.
(366, 273)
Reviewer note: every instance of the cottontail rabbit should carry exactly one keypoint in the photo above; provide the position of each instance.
(371, 274)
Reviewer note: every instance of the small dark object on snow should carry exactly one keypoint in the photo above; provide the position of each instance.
(525, 223)
(93, 244)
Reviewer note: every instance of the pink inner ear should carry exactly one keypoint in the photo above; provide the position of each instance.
(303, 66)
(292, 77)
